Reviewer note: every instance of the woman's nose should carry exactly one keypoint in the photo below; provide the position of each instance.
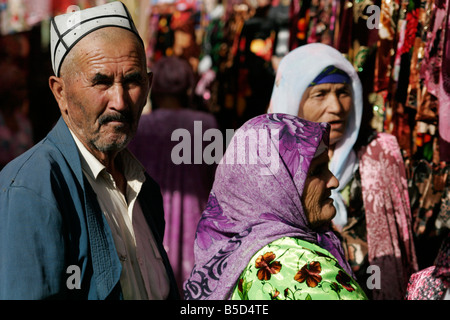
(333, 182)
(333, 104)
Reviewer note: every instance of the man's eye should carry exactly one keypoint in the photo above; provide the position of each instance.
(134, 80)
(132, 83)
(102, 80)
(101, 83)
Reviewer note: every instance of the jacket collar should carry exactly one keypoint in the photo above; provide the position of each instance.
(105, 262)
(61, 137)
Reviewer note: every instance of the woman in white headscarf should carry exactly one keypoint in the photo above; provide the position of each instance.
(317, 83)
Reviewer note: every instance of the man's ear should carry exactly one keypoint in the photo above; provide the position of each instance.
(58, 88)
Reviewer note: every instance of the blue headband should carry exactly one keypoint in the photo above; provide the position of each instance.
(331, 74)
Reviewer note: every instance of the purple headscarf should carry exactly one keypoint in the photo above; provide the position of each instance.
(255, 201)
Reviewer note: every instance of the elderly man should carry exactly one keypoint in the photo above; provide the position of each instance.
(79, 217)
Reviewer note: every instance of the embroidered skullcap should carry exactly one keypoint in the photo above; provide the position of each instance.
(68, 29)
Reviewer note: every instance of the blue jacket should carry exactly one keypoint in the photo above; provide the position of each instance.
(50, 219)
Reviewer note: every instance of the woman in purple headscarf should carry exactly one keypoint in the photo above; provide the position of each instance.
(265, 231)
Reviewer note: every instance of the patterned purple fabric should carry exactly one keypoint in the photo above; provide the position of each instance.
(256, 201)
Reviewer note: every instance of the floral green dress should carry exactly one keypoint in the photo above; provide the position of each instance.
(293, 269)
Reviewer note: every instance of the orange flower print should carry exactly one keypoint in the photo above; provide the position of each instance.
(240, 288)
(345, 280)
(310, 273)
(274, 295)
(267, 266)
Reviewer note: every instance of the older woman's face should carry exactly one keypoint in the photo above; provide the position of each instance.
(328, 102)
(317, 204)
(107, 91)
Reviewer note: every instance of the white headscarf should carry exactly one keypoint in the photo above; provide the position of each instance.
(295, 72)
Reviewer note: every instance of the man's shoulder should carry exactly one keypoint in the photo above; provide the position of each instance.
(32, 166)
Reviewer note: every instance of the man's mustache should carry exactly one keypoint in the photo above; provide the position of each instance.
(122, 117)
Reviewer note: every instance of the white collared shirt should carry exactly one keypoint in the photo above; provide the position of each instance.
(143, 273)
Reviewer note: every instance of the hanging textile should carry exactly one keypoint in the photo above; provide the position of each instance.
(20, 15)
(444, 93)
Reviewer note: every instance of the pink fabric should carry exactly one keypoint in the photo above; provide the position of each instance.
(444, 95)
(444, 120)
(442, 263)
(432, 282)
(435, 71)
(424, 286)
(388, 216)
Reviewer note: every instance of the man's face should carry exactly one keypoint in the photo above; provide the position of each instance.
(318, 205)
(328, 102)
(107, 91)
